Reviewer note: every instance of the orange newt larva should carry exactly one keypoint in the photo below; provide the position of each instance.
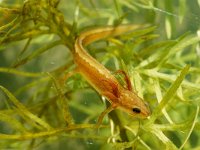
(102, 80)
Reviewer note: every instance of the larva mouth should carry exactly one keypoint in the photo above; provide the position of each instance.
(146, 112)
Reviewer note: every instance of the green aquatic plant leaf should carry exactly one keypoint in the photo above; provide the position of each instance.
(24, 111)
(169, 94)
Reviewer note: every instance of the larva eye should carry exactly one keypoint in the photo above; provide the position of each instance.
(136, 110)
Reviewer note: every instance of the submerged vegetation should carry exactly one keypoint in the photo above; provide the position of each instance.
(39, 109)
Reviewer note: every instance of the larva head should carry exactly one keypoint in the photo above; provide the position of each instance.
(131, 103)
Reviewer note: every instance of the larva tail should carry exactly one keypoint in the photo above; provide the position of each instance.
(105, 32)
